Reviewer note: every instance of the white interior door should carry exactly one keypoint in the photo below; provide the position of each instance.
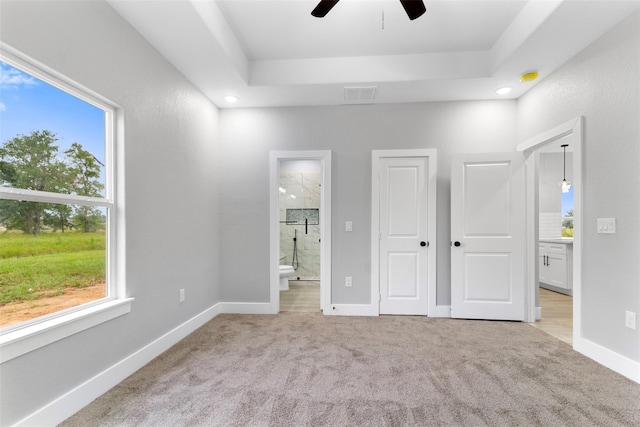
(488, 236)
(403, 236)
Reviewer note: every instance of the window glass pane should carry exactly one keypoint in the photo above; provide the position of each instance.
(50, 140)
(567, 213)
(52, 257)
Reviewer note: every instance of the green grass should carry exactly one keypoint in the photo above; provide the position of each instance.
(35, 266)
(16, 244)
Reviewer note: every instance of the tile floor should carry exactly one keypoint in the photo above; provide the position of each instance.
(302, 296)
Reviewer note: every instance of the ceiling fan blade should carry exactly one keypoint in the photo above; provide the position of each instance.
(414, 8)
(323, 8)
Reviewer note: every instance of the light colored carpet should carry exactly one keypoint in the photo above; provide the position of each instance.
(306, 369)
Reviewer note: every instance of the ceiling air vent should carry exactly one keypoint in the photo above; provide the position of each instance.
(359, 95)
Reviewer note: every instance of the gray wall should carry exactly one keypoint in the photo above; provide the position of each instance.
(601, 83)
(351, 132)
(171, 192)
(550, 172)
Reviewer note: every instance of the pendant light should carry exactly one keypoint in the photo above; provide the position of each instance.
(565, 185)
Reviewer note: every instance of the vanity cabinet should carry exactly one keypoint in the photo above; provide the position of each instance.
(556, 265)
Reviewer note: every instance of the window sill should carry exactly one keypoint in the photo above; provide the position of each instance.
(16, 343)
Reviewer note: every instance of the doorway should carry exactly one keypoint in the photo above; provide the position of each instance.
(300, 229)
(300, 209)
(570, 133)
(555, 232)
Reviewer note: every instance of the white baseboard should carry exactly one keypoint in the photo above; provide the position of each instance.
(372, 310)
(246, 308)
(71, 402)
(612, 360)
(352, 310)
(440, 311)
(538, 313)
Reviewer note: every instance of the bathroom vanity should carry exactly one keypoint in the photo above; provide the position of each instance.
(556, 265)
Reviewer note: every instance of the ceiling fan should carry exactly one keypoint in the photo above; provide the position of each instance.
(414, 8)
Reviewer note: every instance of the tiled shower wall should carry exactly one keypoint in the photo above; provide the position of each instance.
(306, 189)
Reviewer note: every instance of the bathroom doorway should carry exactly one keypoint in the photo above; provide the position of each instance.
(300, 188)
(299, 204)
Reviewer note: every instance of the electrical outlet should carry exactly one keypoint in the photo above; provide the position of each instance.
(630, 320)
(348, 282)
(181, 295)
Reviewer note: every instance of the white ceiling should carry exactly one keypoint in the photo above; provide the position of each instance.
(274, 53)
(355, 28)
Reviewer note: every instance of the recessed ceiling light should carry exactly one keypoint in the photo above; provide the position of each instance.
(503, 90)
(529, 77)
(231, 99)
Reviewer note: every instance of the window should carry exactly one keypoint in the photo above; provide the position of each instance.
(567, 213)
(58, 217)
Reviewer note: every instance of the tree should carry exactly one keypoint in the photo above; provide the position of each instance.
(58, 216)
(30, 162)
(84, 174)
(568, 223)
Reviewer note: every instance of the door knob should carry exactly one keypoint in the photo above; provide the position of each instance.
(423, 243)
(456, 243)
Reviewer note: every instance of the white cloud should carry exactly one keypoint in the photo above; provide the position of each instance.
(11, 78)
(3, 107)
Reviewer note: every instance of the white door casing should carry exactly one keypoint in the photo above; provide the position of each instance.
(403, 231)
(488, 250)
(275, 157)
(573, 129)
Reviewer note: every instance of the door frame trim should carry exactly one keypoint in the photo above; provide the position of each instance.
(431, 155)
(575, 129)
(275, 158)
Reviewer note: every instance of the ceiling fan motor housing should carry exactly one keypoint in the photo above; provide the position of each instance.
(414, 8)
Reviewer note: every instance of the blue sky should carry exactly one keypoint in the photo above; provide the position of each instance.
(28, 104)
(567, 201)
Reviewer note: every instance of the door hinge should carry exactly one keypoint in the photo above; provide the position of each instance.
(379, 297)
(379, 236)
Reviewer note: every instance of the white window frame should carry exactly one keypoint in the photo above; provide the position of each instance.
(16, 340)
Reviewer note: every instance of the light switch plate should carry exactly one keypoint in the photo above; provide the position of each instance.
(606, 225)
(348, 226)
